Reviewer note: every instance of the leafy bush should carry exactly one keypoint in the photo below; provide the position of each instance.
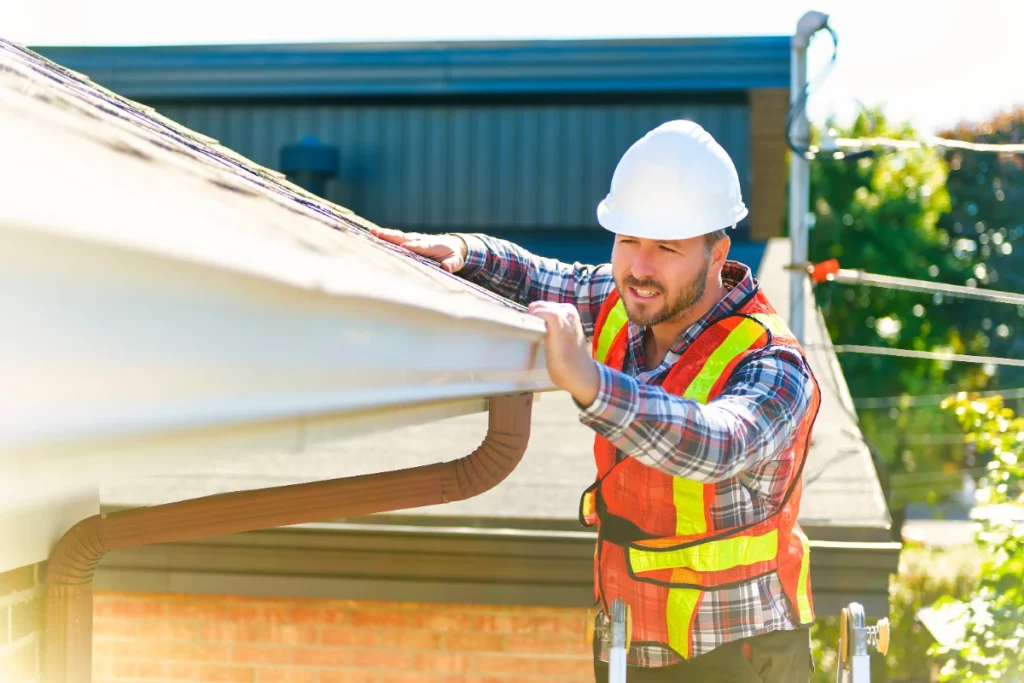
(992, 615)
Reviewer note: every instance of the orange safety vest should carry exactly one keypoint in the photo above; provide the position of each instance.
(657, 546)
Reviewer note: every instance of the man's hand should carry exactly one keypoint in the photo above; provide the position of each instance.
(569, 362)
(448, 250)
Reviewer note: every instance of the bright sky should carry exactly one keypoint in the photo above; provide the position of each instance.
(918, 59)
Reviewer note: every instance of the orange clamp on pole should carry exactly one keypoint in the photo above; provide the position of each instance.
(824, 271)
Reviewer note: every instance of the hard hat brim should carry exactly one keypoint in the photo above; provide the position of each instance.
(660, 229)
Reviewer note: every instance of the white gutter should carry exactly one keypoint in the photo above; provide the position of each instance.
(158, 307)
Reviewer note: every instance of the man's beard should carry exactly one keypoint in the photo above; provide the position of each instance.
(681, 300)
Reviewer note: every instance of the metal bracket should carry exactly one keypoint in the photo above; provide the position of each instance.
(855, 637)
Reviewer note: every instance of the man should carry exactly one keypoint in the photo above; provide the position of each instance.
(702, 403)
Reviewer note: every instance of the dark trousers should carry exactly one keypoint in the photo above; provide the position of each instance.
(781, 656)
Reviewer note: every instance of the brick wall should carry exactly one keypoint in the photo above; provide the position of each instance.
(157, 637)
(770, 175)
(21, 623)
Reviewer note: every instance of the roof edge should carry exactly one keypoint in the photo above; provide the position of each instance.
(443, 68)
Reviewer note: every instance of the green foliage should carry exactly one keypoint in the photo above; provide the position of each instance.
(883, 215)
(925, 575)
(880, 214)
(992, 646)
(986, 223)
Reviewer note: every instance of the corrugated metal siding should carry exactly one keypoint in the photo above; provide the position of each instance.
(448, 167)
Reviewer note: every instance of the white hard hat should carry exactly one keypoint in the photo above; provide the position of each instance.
(673, 183)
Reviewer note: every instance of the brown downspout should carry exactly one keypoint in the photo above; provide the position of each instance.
(69, 574)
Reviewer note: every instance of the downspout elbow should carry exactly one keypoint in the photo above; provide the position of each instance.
(72, 564)
(508, 434)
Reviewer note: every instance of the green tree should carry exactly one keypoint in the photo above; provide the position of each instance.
(986, 223)
(992, 617)
(882, 214)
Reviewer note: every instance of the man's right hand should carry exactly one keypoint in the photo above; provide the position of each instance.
(448, 250)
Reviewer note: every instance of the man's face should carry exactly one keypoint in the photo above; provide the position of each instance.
(659, 279)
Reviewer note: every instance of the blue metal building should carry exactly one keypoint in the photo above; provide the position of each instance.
(516, 139)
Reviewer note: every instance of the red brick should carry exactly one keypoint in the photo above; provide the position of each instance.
(126, 669)
(318, 616)
(260, 655)
(289, 676)
(409, 640)
(566, 667)
(348, 676)
(166, 630)
(443, 661)
(102, 667)
(346, 637)
(361, 619)
(288, 634)
(539, 625)
(197, 652)
(196, 610)
(220, 632)
(17, 580)
(552, 645)
(131, 609)
(382, 659)
(473, 642)
(410, 677)
(428, 621)
(227, 674)
(505, 664)
(120, 628)
(182, 670)
(118, 649)
(262, 613)
(152, 670)
(326, 656)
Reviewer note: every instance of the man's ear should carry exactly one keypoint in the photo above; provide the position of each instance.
(720, 252)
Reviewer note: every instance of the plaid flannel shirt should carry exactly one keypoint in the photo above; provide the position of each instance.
(741, 441)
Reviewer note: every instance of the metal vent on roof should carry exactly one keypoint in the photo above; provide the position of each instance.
(309, 163)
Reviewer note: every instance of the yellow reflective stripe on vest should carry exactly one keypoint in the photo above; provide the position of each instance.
(687, 494)
(738, 341)
(775, 323)
(682, 603)
(803, 598)
(613, 324)
(710, 556)
(688, 497)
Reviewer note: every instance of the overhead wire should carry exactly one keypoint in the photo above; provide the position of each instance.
(859, 277)
(928, 355)
(930, 400)
(861, 144)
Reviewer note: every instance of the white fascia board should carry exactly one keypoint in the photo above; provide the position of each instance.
(150, 314)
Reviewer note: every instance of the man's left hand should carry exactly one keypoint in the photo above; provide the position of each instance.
(568, 357)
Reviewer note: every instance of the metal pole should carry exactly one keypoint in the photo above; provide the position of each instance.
(617, 654)
(799, 186)
(799, 176)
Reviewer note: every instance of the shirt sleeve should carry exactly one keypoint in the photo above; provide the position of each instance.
(755, 418)
(516, 274)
